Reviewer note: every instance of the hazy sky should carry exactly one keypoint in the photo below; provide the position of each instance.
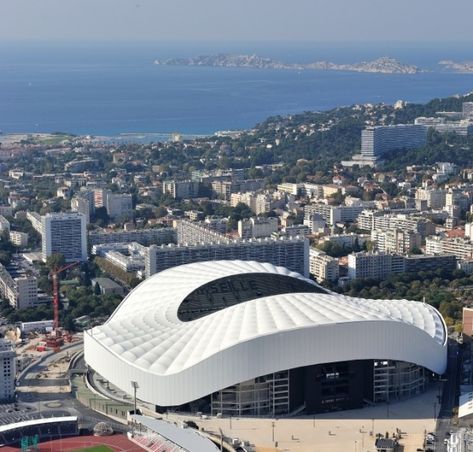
(245, 20)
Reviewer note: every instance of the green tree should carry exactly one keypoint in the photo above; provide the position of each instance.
(56, 260)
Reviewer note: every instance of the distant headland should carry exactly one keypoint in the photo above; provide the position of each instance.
(383, 65)
(463, 67)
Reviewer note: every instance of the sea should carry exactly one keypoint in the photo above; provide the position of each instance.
(113, 88)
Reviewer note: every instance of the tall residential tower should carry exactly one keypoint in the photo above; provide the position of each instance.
(65, 233)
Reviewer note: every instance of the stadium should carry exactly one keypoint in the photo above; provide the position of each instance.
(248, 338)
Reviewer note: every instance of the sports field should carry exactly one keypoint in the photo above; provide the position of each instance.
(94, 449)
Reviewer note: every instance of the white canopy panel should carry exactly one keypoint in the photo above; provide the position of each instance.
(177, 362)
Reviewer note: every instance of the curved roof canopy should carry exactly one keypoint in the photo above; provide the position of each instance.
(176, 361)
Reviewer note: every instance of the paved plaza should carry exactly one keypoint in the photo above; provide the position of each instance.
(345, 431)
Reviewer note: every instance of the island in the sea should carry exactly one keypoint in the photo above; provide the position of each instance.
(464, 66)
(384, 65)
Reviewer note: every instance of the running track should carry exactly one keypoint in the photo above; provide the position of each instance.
(119, 443)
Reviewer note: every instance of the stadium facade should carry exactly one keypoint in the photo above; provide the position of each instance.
(249, 338)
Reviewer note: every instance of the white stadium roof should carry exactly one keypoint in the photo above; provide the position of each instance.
(177, 361)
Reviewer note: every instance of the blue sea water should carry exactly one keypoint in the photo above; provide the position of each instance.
(113, 88)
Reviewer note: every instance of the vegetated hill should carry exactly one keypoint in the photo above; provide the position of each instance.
(325, 138)
(412, 111)
(439, 148)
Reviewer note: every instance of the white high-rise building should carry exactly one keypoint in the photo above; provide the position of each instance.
(65, 233)
(377, 141)
(7, 371)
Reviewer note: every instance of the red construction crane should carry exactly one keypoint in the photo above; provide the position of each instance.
(55, 340)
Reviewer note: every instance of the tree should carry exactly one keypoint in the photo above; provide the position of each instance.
(416, 250)
(161, 212)
(241, 211)
(56, 260)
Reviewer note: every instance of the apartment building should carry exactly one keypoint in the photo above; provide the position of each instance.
(157, 236)
(182, 189)
(291, 189)
(119, 206)
(460, 247)
(379, 140)
(435, 197)
(414, 223)
(64, 233)
(334, 214)
(374, 265)
(19, 239)
(223, 189)
(365, 219)
(441, 125)
(249, 228)
(36, 221)
(259, 203)
(4, 224)
(100, 197)
(421, 262)
(295, 230)
(217, 224)
(346, 240)
(82, 205)
(129, 257)
(7, 371)
(380, 265)
(467, 110)
(322, 266)
(396, 240)
(191, 233)
(286, 252)
(21, 292)
(315, 223)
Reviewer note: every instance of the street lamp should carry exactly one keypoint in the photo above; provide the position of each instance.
(135, 386)
(272, 425)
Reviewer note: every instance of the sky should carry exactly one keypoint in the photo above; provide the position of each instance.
(237, 20)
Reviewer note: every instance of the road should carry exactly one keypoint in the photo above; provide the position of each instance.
(449, 395)
(34, 405)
